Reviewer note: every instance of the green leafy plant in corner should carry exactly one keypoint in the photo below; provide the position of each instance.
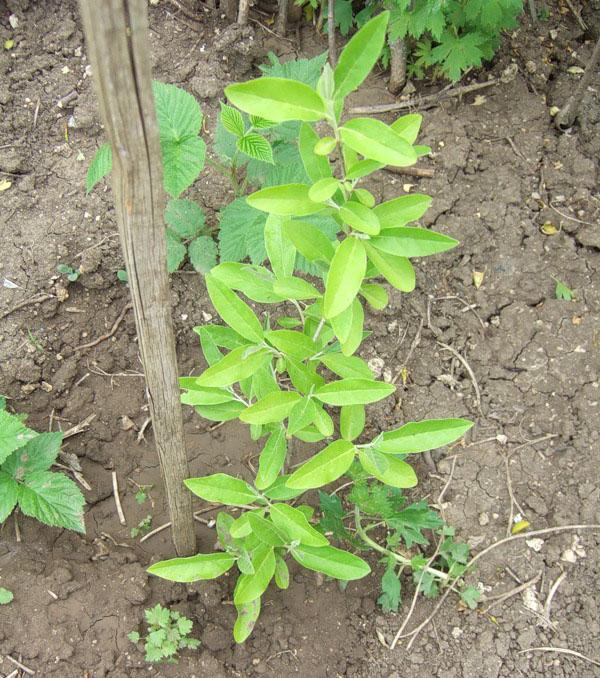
(143, 527)
(71, 273)
(284, 375)
(561, 291)
(168, 634)
(26, 480)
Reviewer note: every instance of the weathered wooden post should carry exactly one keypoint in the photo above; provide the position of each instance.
(117, 46)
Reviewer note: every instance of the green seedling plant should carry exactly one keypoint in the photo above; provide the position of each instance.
(168, 634)
(71, 273)
(285, 375)
(6, 596)
(143, 527)
(562, 291)
(26, 480)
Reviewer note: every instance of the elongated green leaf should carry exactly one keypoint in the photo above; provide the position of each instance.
(398, 271)
(303, 377)
(53, 499)
(13, 434)
(325, 467)
(232, 120)
(389, 470)
(256, 146)
(316, 166)
(323, 422)
(347, 367)
(221, 412)
(273, 408)
(412, 242)
(375, 294)
(331, 561)
(277, 99)
(284, 200)
(100, 166)
(364, 197)
(323, 189)
(248, 614)
(360, 55)
(222, 489)
(238, 315)
(201, 395)
(195, 568)
(345, 277)
(352, 421)
(295, 288)
(280, 250)
(295, 526)
(251, 587)
(271, 459)
(301, 416)
(255, 282)
(282, 574)
(355, 334)
(423, 435)
(376, 141)
(361, 218)
(9, 493)
(401, 211)
(353, 392)
(292, 343)
(279, 492)
(363, 168)
(312, 243)
(265, 530)
(408, 126)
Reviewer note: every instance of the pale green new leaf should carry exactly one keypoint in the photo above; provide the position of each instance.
(237, 314)
(256, 146)
(376, 295)
(271, 459)
(398, 271)
(282, 574)
(352, 421)
(250, 587)
(348, 268)
(295, 288)
(325, 467)
(255, 282)
(360, 55)
(376, 141)
(273, 408)
(408, 126)
(280, 250)
(400, 211)
(316, 166)
(360, 217)
(292, 343)
(331, 561)
(199, 395)
(265, 530)
(412, 242)
(347, 367)
(311, 242)
(239, 364)
(222, 489)
(284, 200)
(277, 99)
(232, 120)
(387, 469)
(353, 392)
(423, 435)
(294, 525)
(100, 167)
(195, 568)
(323, 189)
(301, 415)
(222, 412)
(53, 499)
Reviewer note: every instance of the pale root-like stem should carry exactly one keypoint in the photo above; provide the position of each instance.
(401, 559)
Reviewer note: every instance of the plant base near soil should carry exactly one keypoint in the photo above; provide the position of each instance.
(313, 629)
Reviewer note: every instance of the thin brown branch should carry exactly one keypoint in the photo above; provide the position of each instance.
(108, 335)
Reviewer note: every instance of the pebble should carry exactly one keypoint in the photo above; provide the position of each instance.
(484, 518)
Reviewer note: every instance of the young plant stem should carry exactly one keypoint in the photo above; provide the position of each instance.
(400, 559)
(331, 33)
(318, 330)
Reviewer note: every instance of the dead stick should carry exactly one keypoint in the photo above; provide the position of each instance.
(38, 298)
(108, 335)
(115, 484)
(412, 171)
(31, 672)
(501, 597)
(467, 367)
(561, 650)
(424, 102)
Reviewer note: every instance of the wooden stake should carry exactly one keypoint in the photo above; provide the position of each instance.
(116, 39)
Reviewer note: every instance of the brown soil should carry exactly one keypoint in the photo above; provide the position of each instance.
(535, 360)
